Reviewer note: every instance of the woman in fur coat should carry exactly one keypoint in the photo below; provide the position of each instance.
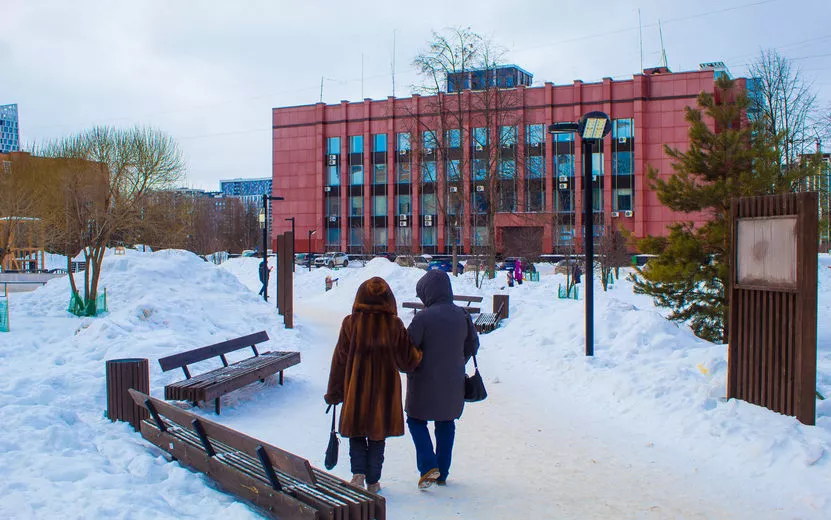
(372, 348)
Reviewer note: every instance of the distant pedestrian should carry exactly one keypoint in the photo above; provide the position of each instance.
(372, 348)
(510, 275)
(446, 336)
(518, 271)
(264, 275)
(578, 272)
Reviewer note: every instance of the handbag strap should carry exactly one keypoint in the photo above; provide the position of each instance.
(476, 366)
(334, 413)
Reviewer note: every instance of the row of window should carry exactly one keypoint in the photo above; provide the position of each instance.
(534, 135)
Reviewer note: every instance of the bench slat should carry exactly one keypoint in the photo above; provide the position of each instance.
(215, 350)
(287, 462)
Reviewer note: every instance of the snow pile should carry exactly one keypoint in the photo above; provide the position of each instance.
(60, 455)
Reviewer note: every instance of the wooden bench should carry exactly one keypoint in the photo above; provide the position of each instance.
(488, 322)
(228, 377)
(417, 306)
(276, 481)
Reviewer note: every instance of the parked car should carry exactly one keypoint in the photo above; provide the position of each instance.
(445, 265)
(510, 263)
(332, 260)
(301, 258)
(420, 261)
(389, 256)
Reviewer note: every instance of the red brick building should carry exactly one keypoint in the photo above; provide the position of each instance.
(363, 176)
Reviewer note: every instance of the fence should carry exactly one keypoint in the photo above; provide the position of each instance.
(773, 303)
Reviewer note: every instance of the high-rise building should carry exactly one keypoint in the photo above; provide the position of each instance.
(366, 176)
(9, 129)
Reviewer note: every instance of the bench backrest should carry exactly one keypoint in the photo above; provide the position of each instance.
(469, 299)
(219, 349)
(285, 461)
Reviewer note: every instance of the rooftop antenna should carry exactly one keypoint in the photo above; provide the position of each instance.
(640, 36)
(321, 89)
(392, 65)
(663, 49)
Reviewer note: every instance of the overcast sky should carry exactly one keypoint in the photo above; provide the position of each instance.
(209, 72)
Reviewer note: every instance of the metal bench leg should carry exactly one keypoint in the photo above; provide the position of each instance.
(217, 405)
(281, 378)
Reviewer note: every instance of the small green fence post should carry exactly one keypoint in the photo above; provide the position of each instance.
(4, 315)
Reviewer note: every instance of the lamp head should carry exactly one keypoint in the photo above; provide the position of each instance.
(594, 126)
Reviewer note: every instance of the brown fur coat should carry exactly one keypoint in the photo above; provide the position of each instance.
(372, 348)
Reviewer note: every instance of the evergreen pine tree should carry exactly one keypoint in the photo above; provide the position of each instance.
(728, 157)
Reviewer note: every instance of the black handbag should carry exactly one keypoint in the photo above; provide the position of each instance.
(331, 459)
(475, 386)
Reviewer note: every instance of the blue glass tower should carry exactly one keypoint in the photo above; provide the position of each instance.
(9, 132)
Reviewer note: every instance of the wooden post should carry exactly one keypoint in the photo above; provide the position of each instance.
(501, 299)
(123, 374)
(287, 282)
(279, 273)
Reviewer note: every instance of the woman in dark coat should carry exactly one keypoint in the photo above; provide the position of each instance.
(372, 348)
(447, 339)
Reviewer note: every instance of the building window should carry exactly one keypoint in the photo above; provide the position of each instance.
(622, 199)
(333, 179)
(479, 202)
(403, 141)
(333, 206)
(379, 205)
(333, 145)
(428, 236)
(535, 168)
(507, 169)
(356, 144)
(356, 206)
(480, 169)
(454, 138)
(379, 236)
(428, 204)
(507, 195)
(480, 236)
(564, 138)
(356, 175)
(622, 129)
(428, 172)
(404, 237)
(535, 195)
(535, 134)
(565, 165)
(453, 172)
(597, 164)
(564, 201)
(379, 143)
(507, 135)
(566, 233)
(404, 173)
(430, 141)
(480, 138)
(356, 236)
(623, 163)
(404, 204)
(380, 176)
(333, 236)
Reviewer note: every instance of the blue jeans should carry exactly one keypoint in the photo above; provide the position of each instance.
(366, 457)
(426, 458)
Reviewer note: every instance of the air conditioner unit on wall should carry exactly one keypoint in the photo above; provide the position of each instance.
(628, 213)
(480, 188)
(402, 221)
(327, 188)
(454, 189)
(615, 214)
(622, 139)
(563, 178)
(333, 219)
(428, 220)
(478, 147)
(563, 186)
(402, 152)
(333, 159)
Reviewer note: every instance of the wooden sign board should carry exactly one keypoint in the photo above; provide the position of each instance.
(766, 252)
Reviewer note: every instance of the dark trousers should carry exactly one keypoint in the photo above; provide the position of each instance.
(426, 458)
(366, 457)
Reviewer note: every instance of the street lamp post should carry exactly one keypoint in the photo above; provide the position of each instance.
(266, 198)
(592, 128)
(292, 242)
(311, 232)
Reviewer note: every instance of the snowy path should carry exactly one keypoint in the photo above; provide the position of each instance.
(517, 455)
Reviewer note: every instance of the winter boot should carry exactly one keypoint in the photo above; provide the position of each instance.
(374, 488)
(441, 482)
(428, 479)
(358, 479)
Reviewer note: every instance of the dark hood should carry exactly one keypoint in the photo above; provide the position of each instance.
(375, 295)
(434, 287)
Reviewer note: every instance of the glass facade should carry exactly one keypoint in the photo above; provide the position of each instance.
(9, 129)
(623, 165)
(250, 191)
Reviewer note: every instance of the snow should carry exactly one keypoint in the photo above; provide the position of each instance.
(641, 430)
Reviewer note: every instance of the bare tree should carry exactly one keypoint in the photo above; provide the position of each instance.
(134, 162)
(613, 254)
(786, 103)
(478, 114)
